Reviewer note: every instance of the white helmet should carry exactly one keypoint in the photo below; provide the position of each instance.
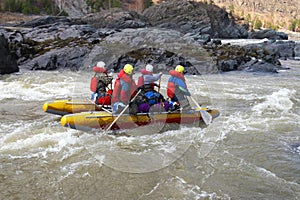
(149, 68)
(101, 64)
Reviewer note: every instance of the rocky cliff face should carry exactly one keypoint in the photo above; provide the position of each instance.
(167, 34)
(74, 8)
(276, 12)
(200, 18)
(8, 61)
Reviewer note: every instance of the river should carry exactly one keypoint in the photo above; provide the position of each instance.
(251, 151)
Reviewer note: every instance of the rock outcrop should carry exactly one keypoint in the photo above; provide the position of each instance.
(272, 12)
(8, 61)
(118, 37)
(195, 18)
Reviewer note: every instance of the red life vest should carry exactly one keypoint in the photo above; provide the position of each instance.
(93, 84)
(118, 93)
(140, 81)
(171, 84)
(94, 80)
(99, 70)
(141, 78)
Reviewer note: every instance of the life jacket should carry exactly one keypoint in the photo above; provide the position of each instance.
(94, 84)
(99, 70)
(140, 83)
(171, 87)
(119, 93)
(141, 78)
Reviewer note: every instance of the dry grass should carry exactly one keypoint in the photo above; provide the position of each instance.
(13, 18)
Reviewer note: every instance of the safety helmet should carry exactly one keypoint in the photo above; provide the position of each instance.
(128, 68)
(149, 68)
(101, 64)
(179, 68)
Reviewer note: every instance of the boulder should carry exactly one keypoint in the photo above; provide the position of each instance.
(64, 58)
(116, 19)
(260, 66)
(195, 17)
(8, 60)
(269, 34)
(163, 60)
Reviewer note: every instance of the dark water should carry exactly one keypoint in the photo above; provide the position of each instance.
(252, 151)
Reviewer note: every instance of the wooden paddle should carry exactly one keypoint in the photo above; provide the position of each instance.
(121, 113)
(207, 118)
(101, 107)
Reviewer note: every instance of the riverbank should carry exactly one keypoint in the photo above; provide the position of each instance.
(295, 36)
(118, 37)
(9, 18)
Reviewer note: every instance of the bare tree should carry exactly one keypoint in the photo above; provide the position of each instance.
(60, 4)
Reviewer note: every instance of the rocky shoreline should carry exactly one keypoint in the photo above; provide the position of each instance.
(164, 35)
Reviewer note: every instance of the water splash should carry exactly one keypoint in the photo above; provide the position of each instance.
(279, 101)
(43, 85)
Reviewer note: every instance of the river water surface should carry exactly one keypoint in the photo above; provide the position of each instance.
(251, 151)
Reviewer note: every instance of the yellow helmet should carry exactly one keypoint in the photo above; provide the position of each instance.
(128, 68)
(179, 68)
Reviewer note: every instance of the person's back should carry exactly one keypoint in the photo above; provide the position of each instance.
(124, 88)
(147, 80)
(150, 99)
(177, 89)
(101, 84)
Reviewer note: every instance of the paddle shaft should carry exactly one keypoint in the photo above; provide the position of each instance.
(108, 128)
(159, 84)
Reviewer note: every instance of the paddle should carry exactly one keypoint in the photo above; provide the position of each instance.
(123, 111)
(101, 107)
(159, 84)
(207, 118)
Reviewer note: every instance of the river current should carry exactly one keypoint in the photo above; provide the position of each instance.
(251, 151)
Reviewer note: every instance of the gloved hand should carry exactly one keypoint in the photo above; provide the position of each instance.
(188, 93)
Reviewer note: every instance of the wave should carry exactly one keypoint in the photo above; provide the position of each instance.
(33, 86)
(280, 101)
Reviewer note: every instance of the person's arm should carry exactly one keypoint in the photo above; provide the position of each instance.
(182, 86)
(151, 78)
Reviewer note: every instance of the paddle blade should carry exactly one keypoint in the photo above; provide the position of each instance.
(207, 118)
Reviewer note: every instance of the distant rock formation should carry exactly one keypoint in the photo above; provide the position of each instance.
(196, 18)
(275, 12)
(271, 12)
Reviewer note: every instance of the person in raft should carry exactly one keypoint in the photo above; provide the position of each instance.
(149, 97)
(124, 89)
(100, 85)
(147, 79)
(177, 89)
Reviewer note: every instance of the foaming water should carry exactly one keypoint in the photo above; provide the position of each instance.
(277, 101)
(251, 151)
(29, 86)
